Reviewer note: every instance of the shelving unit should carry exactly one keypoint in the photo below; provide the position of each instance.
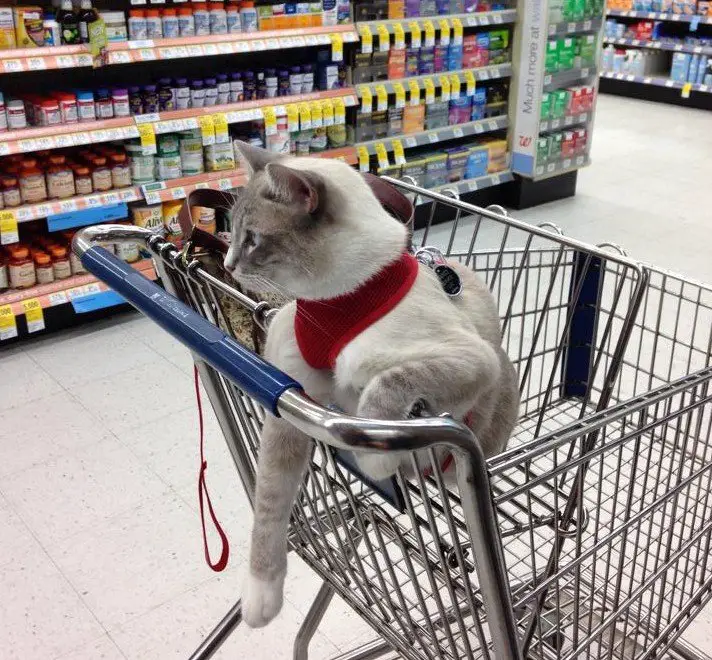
(661, 45)
(474, 185)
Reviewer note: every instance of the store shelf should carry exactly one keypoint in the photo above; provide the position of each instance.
(481, 74)
(127, 52)
(574, 27)
(661, 45)
(70, 135)
(563, 78)
(658, 16)
(472, 185)
(479, 127)
(565, 122)
(479, 19)
(64, 291)
(657, 82)
(561, 167)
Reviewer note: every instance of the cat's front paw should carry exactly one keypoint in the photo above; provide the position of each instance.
(379, 465)
(262, 600)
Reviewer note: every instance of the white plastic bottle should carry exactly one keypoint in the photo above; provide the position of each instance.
(607, 58)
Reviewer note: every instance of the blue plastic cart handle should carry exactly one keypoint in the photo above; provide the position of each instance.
(248, 371)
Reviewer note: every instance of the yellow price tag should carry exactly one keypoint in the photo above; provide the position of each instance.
(470, 82)
(317, 120)
(382, 98)
(398, 36)
(400, 94)
(304, 116)
(366, 38)
(415, 34)
(148, 138)
(457, 31)
(429, 91)
(444, 88)
(429, 30)
(207, 129)
(384, 39)
(363, 159)
(8, 228)
(220, 126)
(270, 117)
(454, 86)
(398, 153)
(366, 100)
(33, 315)
(292, 117)
(339, 111)
(8, 326)
(337, 47)
(414, 92)
(382, 155)
(444, 32)
(327, 112)
(686, 89)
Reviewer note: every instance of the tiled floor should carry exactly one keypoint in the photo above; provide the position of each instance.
(100, 547)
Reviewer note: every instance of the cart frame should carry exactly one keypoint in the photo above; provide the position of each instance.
(529, 557)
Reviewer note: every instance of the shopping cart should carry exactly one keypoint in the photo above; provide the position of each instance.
(589, 537)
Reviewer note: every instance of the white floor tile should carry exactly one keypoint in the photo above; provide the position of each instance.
(103, 648)
(29, 381)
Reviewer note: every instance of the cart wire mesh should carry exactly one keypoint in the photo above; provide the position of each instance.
(602, 497)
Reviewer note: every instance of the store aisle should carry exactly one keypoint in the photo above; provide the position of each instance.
(100, 546)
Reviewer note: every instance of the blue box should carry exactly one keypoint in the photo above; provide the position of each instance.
(477, 162)
(680, 67)
(479, 101)
(453, 61)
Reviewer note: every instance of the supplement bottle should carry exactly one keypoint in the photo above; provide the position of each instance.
(248, 16)
(49, 114)
(16, 118)
(135, 100)
(3, 113)
(120, 171)
(201, 16)
(4, 275)
(86, 108)
(169, 20)
(60, 262)
(150, 99)
(234, 26)
(211, 92)
(186, 22)
(154, 26)
(237, 93)
(182, 93)
(137, 25)
(33, 188)
(21, 268)
(197, 94)
(82, 180)
(165, 95)
(60, 178)
(270, 84)
(223, 89)
(218, 18)
(11, 192)
(100, 175)
(104, 106)
(295, 80)
(87, 16)
(67, 107)
(68, 24)
(249, 86)
(52, 33)
(44, 271)
(120, 102)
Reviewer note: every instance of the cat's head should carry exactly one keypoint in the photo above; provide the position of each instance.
(310, 227)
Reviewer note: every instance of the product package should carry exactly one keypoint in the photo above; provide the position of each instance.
(29, 29)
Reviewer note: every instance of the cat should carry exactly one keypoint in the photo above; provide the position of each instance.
(312, 229)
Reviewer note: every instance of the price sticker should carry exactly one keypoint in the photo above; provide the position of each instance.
(381, 98)
(366, 100)
(411, 142)
(444, 32)
(58, 298)
(366, 39)
(317, 119)
(37, 63)
(337, 47)
(339, 111)
(292, 118)
(429, 30)
(457, 31)
(33, 315)
(384, 39)
(414, 92)
(444, 88)
(382, 155)
(207, 129)
(304, 116)
(458, 132)
(433, 138)
(15, 66)
(686, 89)
(8, 326)
(147, 134)
(363, 159)
(470, 82)
(400, 94)
(415, 34)
(398, 153)
(398, 36)
(220, 125)
(270, 118)
(327, 112)
(8, 228)
(429, 91)
(454, 85)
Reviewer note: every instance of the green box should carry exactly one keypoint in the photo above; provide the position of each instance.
(498, 39)
(555, 140)
(542, 149)
(545, 110)
(566, 51)
(578, 10)
(568, 10)
(551, 61)
(586, 50)
(559, 103)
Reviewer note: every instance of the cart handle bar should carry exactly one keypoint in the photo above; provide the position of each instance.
(274, 389)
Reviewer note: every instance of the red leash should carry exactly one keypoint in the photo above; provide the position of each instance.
(203, 494)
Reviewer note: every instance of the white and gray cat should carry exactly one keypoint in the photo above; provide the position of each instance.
(312, 229)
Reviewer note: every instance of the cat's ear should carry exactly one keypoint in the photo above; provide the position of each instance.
(255, 158)
(294, 188)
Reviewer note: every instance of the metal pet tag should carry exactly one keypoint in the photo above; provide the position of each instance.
(449, 280)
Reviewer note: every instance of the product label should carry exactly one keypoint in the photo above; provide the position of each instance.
(363, 160)
(316, 115)
(382, 98)
(398, 153)
(366, 100)
(382, 155)
(148, 138)
(454, 85)
(470, 82)
(366, 39)
(399, 36)
(339, 111)
(8, 228)
(8, 326)
(337, 47)
(207, 129)
(415, 34)
(304, 117)
(327, 111)
(444, 88)
(444, 32)
(292, 118)
(415, 92)
(33, 315)
(400, 94)
(456, 31)
(221, 129)
(429, 30)
(384, 39)
(429, 91)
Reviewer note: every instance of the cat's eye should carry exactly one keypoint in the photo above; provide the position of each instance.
(249, 242)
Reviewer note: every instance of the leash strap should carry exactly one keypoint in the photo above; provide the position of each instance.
(204, 496)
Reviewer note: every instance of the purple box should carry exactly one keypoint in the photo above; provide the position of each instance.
(412, 8)
(439, 61)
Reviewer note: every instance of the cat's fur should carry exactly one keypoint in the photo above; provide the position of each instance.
(313, 228)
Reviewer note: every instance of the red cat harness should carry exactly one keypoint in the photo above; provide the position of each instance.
(324, 327)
